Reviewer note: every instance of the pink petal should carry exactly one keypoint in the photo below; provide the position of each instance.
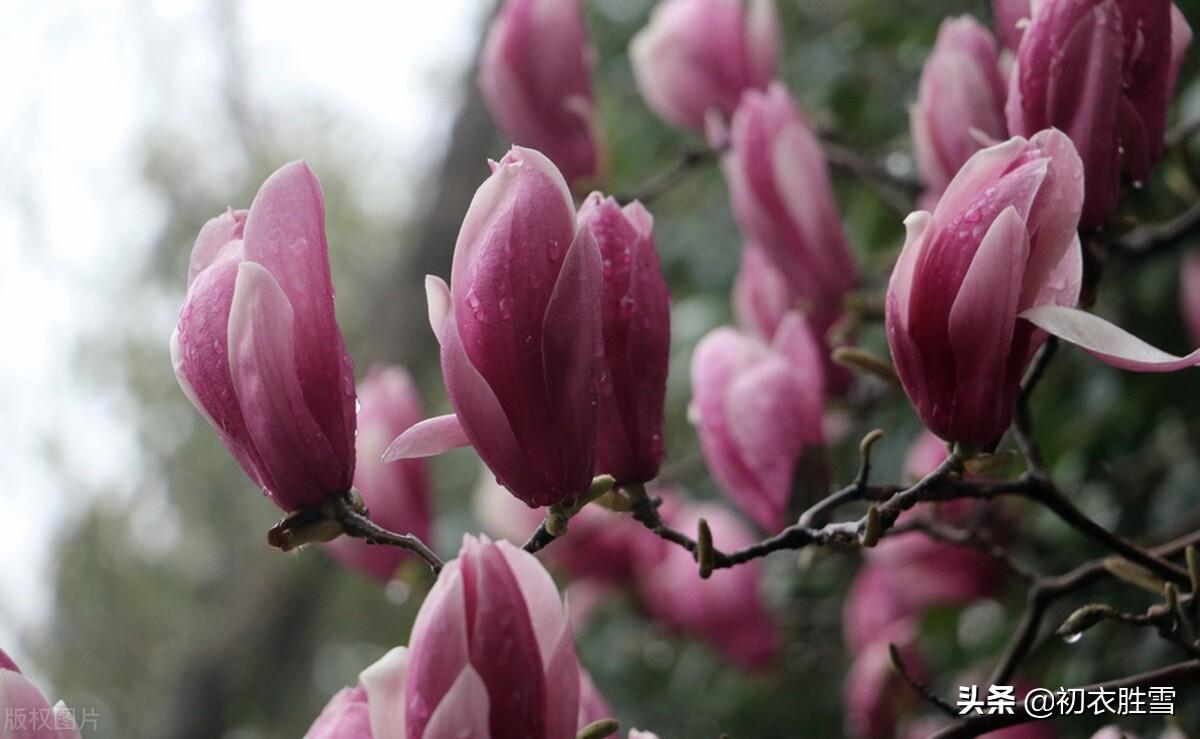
(572, 344)
(438, 652)
(592, 706)
(1181, 38)
(900, 283)
(20, 697)
(503, 647)
(463, 712)
(979, 172)
(262, 361)
(285, 233)
(214, 236)
(1105, 341)
(428, 438)
(982, 322)
(346, 716)
(6, 662)
(437, 298)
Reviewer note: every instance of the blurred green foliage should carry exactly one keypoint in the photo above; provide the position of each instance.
(174, 619)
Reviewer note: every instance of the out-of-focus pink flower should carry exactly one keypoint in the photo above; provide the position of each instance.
(699, 56)
(761, 295)
(597, 547)
(757, 409)
(636, 318)
(396, 493)
(1189, 293)
(924, 456)
(1001, 240)
(1103, 71)
(492, 654)
(876, 697)
(536, 77)
(727, 610)
(1011, 18)
(26, 711)
(257, 349)
(960, 101)
(520, 334)
(783, 201)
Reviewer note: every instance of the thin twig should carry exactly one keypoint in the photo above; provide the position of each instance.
(919, 687)
(355, 523)
(1158, 237)
(659, 184)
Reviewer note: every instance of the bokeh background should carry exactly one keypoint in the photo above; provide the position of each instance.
(134, 574)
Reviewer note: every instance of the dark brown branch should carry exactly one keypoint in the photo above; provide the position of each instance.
(920, 688)
(898, 193)
(354, 522)
(1183, 673)
(1158, 237)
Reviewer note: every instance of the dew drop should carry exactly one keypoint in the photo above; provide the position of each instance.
(625, 306)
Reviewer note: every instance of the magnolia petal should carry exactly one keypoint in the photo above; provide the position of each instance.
(900, 284)
(463, 711)
(438, 652)
(983, 318)
(428, 438)
(437, 298)
(1106, 341)
(211, 242)
(262, 362)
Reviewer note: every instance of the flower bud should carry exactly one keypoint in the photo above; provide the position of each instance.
(536, 77)
(757, 409)
(783, 201)
(396, 493)
(960, 101)
(520, 334)
(697, 57)
(727, 610)
(636, 319)
(761, 295)
(492, 654)
(1103, 71)
(258, 350)
(1011, 18)
(1001, 240)
(26, 712)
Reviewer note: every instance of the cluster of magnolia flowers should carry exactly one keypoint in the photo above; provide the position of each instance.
(554, 334)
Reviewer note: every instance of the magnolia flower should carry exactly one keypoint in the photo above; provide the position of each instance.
(491, 655)
(783, 201)
(1189, 293)
(697, 57)
(876, 696)
(727, 610)
(25, 711)
(258, 350)
(520, 333)
(536, 77)
(396, 494)
(1103, 71)
(757, 409)
(960, 101)
(636, 316)
(996, 261)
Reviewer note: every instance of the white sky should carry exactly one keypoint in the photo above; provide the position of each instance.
(82, 80)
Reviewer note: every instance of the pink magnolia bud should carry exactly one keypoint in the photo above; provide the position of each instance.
(25, 711)
(699, 56)
(1011, 18)
(727, 610)
(783, 201)
(492, 647)
(757, 408)
(960, 102)
(1103, 71)
(258, 350)
(592, 706)
(876, 696)
(1189, 293)
(521, 337)
(924, 456)
(491, 655)
(1001, 240)
(636, 316)
(396, 493)
(536, 77)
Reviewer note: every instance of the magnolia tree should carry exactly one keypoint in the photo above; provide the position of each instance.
(554, 328)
